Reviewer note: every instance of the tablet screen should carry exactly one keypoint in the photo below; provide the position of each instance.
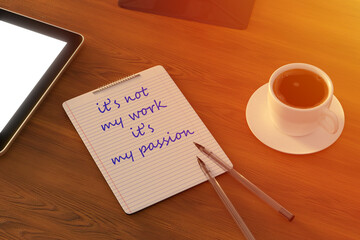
(33, 54)
(25, 56)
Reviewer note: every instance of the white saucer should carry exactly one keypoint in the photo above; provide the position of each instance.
(261, 125)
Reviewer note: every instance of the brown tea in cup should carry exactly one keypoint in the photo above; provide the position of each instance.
(300, 88)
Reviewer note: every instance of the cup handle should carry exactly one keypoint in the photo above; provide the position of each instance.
(329, 121)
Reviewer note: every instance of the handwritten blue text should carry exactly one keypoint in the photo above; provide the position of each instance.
(118, 159)
(112, 124)
(165, 141)
(144, 111)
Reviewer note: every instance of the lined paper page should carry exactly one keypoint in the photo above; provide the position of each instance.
(140, 133)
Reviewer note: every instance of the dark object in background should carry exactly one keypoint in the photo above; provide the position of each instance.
(227, 13)
(40, 67)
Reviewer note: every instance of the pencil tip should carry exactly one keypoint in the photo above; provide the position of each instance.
(198, 145)
(199, 160)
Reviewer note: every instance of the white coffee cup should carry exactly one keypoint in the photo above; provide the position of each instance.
(302, 121)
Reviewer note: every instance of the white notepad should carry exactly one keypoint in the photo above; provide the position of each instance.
(140, 132)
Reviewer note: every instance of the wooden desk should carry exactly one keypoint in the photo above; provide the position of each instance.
(50, 188)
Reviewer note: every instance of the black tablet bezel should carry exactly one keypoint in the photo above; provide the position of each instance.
(73, 40)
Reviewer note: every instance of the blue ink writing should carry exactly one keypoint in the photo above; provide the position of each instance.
(140, 133)
(118, 159)
(144, 111)
(140, 130)
(137, 95)
(118, 104)
(112, 124)
(152, 129)
(165, 141)
(106, 108)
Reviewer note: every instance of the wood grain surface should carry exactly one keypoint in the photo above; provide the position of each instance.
(50, 187)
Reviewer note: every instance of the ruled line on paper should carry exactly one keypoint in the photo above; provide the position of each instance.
(115, 92)
(145, 149)
(96, 155)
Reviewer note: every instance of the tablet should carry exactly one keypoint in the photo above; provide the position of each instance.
(33, 54)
